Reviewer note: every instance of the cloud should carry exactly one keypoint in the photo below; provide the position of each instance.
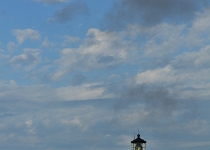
(47, 43)
(15, 92)
(163, 41)
(51, 1)
(4, 56)
(158, 90)
(160, 75)
(82, 92)
(187, 82)
(199, 32)
(43, 93)
(12, 82)
(69, 40)
(100, 50)
(78, 79)
(153, 101)
(157, 43)
(29, 123)
(151, 12)
(11, 46)
(108, 85)
(53, 119)
(22, 35)
(136, 44)
(194, 59)
(69, 12)
(30, 58)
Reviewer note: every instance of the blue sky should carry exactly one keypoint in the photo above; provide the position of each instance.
(88, 74)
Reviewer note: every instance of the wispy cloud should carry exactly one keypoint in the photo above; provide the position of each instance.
(69, 12)
(29, 59)
(22, 35)
(47, 43)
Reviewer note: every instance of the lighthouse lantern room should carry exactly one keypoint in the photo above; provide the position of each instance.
(138, 143)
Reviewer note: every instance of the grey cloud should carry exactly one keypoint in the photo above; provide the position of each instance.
(150, 12)
(155, 109)
(157, 101)
(70, 11)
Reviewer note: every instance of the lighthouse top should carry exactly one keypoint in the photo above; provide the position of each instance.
(138, 140)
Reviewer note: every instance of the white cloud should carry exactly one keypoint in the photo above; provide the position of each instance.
(198, 33)
(99, 50)
(74, 122)
(106, 43)
(45, 93)
(189, 84)
(193, 59)
(12, 82)
(187, 74)
(22, 35)
(160, 75)
(104, 49)
(82, 92)
(201, 23)
(161, 39)
(28, 123)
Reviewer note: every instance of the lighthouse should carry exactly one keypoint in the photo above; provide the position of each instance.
(138, 143)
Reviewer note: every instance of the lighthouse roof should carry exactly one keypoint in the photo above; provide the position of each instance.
(138, 140)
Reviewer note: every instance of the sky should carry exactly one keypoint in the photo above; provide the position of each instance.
(92, 74)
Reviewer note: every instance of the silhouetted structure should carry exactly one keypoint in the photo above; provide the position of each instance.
(138, 143)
